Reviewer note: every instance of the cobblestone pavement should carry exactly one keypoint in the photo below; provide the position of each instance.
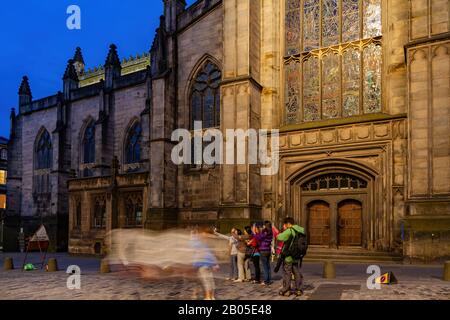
(415, 282)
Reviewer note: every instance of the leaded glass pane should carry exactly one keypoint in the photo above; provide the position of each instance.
(372, 79)
(89, 144)
(208, 108)
(372, 18)
(330, 23)
(292, 91)
(351, 68)
(311, 89)
(350, 20)
(331, 86)
(311, 24)
(205, 97)
(44, 151)
(196, 105)
(293, 27)
(133, 144)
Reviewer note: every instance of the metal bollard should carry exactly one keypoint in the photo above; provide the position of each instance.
(329, 270)
(52, 265)
(447, 271)
(8, 264)
(104, 266)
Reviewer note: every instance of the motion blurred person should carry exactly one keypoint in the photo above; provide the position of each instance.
(205, 262)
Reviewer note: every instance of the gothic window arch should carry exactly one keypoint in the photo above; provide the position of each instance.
(99, 214)
(133, 210)
(334, 182)
(4, 154)
(333, 59)
(133, 144)
(205, 96)
(88, 144)
(43, 151)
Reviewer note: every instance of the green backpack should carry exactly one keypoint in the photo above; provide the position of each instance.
(29, 267)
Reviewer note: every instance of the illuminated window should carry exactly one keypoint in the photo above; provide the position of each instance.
(4, 154)
(332, 59)
(2, 201)
(2, 177)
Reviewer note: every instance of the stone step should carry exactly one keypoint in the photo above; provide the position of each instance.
(350, 255)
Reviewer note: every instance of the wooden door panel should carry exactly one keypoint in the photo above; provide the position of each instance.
(319, 223)
(350, 223)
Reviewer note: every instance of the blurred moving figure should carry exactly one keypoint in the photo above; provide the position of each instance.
(178, 253)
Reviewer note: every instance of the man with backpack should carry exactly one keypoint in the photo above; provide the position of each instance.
(294, 249)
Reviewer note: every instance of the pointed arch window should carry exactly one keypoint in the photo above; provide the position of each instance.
(44, 151)
(89, 144)
(205, 96)
(133, 144)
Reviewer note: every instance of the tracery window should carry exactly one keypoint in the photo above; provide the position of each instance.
(42, 170)
(333, 59)
(334, 182)
(89, 144)
(133, 210)
(133, 144)
(205, 96)
(44, 151)
(99, 216)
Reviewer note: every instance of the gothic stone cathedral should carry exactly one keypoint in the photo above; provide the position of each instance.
(359, 89)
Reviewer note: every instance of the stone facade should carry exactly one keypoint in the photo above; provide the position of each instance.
(372, 173)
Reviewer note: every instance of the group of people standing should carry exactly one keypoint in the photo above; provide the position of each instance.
(258, 246)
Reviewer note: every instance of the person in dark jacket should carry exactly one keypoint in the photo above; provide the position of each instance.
(265, 238)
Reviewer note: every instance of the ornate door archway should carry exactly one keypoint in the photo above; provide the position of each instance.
(335, 209)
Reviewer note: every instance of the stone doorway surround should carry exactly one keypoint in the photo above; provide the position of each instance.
(301, 197)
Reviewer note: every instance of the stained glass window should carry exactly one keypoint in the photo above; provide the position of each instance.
(133, 144)
(350, 20)
(311, 89)
(331, 86)
(351, 61)
(293, 27)
(372, 18)
(311, 24)
(338, 43)
(292, 91)
(205, 96)
(44, 151)
(89, 144)
(330, 23)
(372, 78)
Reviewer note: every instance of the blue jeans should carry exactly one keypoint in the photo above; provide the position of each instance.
(265, 261)
(233, 267)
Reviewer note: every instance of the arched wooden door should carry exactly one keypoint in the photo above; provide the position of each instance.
(319, 223)
(350, 223)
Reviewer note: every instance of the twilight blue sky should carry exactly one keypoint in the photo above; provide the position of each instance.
(36, 42)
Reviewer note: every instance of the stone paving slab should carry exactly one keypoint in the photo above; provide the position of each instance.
(415, 282)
